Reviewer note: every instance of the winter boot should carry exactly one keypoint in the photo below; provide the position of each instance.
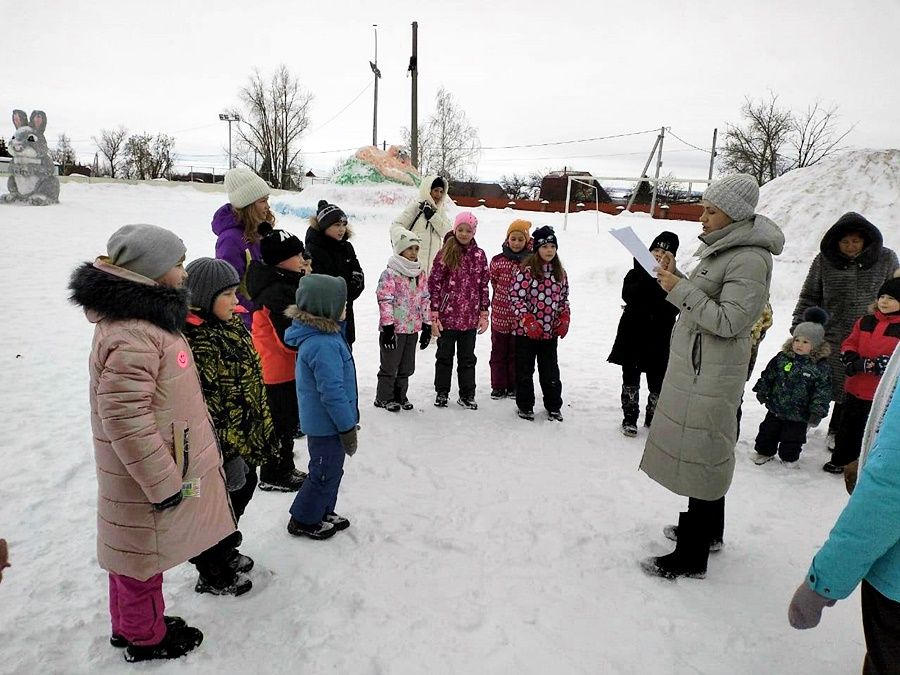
(630, 409)
(497, 394)
(671, 532)
(441, 400)
(467, 402)
(689, 557)
(525, 414)
(239, 562)
(176, 643)
(390, 406)
(652, 400)
(224, 582)
(555, 416)
(339, 522)
(172, 623)
(280, 476)
(320, 530)
(404, 403)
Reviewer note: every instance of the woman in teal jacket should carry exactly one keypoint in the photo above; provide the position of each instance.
(864, 544)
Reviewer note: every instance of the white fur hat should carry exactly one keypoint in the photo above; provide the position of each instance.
(244, 187)
(404, 239)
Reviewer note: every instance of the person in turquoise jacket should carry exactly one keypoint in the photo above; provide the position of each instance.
(327, 394)
(864, 544)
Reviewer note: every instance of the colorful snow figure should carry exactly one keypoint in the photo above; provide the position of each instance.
(371, 165)
(33, 178)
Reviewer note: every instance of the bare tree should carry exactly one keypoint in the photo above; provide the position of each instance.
(815, 135)
(146, 157)
(514, 184)
(4, 151)
(111, 145)
(422, 142)
(452, 147)
(754, 146)
(275, 115)
(64, 154)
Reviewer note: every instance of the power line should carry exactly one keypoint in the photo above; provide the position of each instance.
(672, 133)
(333, 117)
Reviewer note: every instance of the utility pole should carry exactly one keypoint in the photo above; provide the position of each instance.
(414, 70)
(662, 138)
(712, 155)
(637, 188)
(229, 117)
(377, 72)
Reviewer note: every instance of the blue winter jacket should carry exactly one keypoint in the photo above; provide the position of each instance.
(865, 541)
(326, 378)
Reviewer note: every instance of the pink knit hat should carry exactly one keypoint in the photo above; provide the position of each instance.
(465, 217)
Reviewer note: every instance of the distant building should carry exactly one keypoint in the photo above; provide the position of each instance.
(555, 184)
(477, 190)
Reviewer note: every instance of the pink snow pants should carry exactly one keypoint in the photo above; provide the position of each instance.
(136, 608)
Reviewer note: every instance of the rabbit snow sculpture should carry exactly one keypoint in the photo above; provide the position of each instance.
(33, 178)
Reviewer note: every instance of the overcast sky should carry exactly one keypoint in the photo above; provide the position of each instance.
(524, 71)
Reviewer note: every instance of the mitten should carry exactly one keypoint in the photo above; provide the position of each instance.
(425, 337)
(562, 326)
(851, 473)
(357, 282)
(853, 364)
(348, 441)
(236, 470)
(388, 340)
(482, 322)
(532, 326)
(761, 397)
(877, 365)
(428, 211)
(168, 503)
(806, 607)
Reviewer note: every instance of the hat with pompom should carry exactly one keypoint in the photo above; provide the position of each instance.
(276, 246)
(328, 215)
(544, 235)
(813, 326)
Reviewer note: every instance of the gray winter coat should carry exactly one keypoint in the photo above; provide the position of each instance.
(690, 449)
(843, 287)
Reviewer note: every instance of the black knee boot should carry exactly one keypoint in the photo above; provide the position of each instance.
(652, 400)
(631, 409)
(690, 555)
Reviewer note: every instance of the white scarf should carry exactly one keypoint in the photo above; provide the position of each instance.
(407, 268)
(883, 396)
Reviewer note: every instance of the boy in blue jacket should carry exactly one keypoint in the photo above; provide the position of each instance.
(864, 544)
(326, 390)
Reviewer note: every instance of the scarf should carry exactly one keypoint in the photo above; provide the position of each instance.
(509, 254)
(401, 265)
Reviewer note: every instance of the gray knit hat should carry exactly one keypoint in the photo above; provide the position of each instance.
(207, 277)
(148, 250)
(813, 326)
(322, 295)
(736, 195)
(244, 187)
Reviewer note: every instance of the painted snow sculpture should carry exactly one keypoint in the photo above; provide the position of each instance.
(372, 165)
(33, 178)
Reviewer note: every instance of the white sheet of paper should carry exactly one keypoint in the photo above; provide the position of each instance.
(636, 247)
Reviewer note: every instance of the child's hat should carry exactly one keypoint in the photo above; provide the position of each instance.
(519, 225)
(276, 246)
(544, 235)
(404, 239)
(667, 241)
(328, 215)
(813, 326)
(438, 183)
(736, 195)
(148, 250)
(465, 218)
(890, 287)
(322, 295)
(244, 187)
(207, 277)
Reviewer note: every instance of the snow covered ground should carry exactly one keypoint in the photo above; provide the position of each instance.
(480, 543)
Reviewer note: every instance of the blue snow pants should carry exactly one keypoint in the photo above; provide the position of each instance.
(318, 494)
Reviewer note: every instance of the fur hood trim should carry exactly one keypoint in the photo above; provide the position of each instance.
(106, 291)
(820, 353)
(318, 322)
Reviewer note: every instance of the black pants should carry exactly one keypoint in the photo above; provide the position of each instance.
(786, 437)
(852, 427)
(544, 351)
(286, 418)
(462, 343)
(881, 625)
(242, 496)
(396, 367)
(709, 517)
(631, 377)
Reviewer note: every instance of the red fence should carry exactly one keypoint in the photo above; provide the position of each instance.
(667, 211)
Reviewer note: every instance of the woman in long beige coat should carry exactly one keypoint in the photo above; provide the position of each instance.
(690, 449)
(426, 217)
(161, 488)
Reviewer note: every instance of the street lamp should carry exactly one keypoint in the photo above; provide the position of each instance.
(229, 117)
(374, 66)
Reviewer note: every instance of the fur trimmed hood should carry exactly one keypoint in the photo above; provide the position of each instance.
(820, 353)
(106, 291)
(320, 323)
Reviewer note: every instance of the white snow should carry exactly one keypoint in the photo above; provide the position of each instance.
(480, 543)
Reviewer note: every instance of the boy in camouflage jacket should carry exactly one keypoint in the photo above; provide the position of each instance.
(795, 387)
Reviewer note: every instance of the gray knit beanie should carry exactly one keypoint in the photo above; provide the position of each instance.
(148, 250)
(244, 187)
(207, 278)
(736, 195)
(322, 295)
(813, 326)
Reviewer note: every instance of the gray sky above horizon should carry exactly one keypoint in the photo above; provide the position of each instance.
(524, 72)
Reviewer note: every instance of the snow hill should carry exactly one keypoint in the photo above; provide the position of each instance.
(480, 543)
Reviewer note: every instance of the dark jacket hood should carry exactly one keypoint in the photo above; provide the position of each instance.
(225, 219)
(261, 276)
(852, 222)
(105, 291)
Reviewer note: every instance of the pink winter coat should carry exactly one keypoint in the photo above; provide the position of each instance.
(503, 271)
(545, 299)
(402, 301)
(459, 296)
(150, 424)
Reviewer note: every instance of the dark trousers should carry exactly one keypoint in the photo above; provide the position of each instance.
(286, 418)
(318, 495)
(461, 342)
(544, 351)
(881, 625)
(242, 496)
(631, 377)
(786, 437)
(709, 517)
(503, 360)
(852, 426)
(396, 367)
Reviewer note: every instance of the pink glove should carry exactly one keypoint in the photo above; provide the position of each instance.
(532, 326)
(482, 322)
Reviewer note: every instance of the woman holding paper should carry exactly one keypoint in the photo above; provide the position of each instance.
(690, 448)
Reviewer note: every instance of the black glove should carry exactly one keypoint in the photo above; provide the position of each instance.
(428, 211)
(357, 283)
(387, 339)
(172, 501)
(877, 365)
(425, 337)
(348, 440)
(853, 364)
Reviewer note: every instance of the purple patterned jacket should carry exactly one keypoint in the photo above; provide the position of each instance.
(461, 295)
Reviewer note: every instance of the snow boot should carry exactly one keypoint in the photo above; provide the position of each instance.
(390, 406)
(689, 557)
(226, 582)
(339, 522)
(467, 402)
(239, 562)
(630, 409)
(172, 623)
(555, 416)
(404, 403)
(759, 459)
(441, 400)
(320, 530)
(652, 400)
(671, 532)
(525, 414)
(280, 477)
(831, 467)
(176, 643)
(497, 394)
